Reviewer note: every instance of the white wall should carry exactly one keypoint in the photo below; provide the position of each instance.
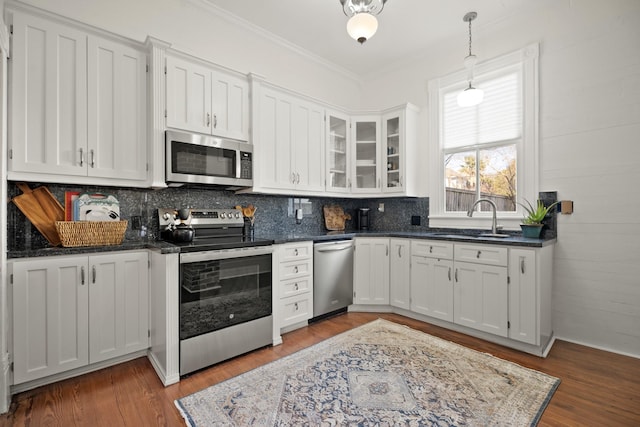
(589, 148)
(191, 26)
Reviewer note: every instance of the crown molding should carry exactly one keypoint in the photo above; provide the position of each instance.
(298, 50)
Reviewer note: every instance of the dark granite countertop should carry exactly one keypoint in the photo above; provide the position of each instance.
(163, 247)
(467, 237)
(166, 247)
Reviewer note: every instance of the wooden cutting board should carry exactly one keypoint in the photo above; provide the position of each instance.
(334, 217)
(42, 209)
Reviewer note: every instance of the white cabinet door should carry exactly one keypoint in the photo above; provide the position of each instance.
(432, 287)
(48, 101)
(205, 100)
(524, 301)
(118, 304)
(117, 144)
(188, 95)
(230, 106)
(393, 152)
(365, 134)
(290, 150)
(481, 297)
(371, 271)
(274, 150)
(399, 273)
(308, 147)
(338, 152)
(50, 312)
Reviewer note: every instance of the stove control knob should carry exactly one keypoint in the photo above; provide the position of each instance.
(237, 215)
(223, 215)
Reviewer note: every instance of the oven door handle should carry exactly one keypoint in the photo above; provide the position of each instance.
(224, 254)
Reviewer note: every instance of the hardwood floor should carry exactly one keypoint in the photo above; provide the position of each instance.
(598, 388)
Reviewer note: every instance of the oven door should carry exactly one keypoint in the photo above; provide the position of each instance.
(222, 288)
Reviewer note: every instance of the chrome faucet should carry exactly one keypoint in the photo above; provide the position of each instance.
(494, 226)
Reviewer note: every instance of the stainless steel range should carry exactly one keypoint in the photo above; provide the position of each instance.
(225, 286)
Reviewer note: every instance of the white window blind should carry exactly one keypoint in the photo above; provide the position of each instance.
(497, 118)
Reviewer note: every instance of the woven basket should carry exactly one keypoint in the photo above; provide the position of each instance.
(91, 233)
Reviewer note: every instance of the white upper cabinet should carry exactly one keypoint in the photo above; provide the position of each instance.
(48, 110)
(399, 151)
(338, 145)
(205, 100)
(78, 105)
(289, 143)
(365, 136)
(117, 110)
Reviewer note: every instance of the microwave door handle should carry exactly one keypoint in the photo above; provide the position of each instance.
(238, 163)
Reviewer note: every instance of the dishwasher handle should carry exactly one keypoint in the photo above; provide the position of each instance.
(333, 247)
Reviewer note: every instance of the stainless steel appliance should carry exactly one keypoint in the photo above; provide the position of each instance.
(225, 287)
(332, 277)
(363, 219)
(203, 159)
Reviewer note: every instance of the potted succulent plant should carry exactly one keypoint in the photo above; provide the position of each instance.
(532, 222)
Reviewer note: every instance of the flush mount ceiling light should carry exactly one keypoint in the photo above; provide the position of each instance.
(362, 24)
(470, 96)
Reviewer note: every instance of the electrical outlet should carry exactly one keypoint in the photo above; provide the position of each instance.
(415, 219)
(381, 207)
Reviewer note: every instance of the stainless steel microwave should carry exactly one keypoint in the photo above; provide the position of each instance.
(193, 158)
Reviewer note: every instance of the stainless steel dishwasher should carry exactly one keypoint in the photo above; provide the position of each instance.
(332, 277)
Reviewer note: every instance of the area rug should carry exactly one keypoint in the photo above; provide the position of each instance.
(379, 374)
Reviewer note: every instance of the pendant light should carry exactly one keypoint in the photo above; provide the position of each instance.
(362, 24)
(470, 96)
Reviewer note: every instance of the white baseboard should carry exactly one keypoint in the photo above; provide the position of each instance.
(598, 347)
(166, 380)
(19, 388)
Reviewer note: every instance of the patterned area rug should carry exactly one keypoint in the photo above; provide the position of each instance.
(379, 374)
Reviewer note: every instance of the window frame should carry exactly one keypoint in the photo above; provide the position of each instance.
(527, 150)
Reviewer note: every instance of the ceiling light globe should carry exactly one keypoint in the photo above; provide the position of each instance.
(470, 97)
(362, 26)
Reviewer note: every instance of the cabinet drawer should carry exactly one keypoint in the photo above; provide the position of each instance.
(481, 254)
(295, 269)
(290, 288)
(296, 251)
(295, 309)
(432, 249)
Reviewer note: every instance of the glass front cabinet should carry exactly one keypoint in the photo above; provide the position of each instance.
(338, 151)
(399, 162)
(365, 133)
(373, 154)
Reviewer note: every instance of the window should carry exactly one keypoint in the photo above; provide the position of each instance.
(486, 151)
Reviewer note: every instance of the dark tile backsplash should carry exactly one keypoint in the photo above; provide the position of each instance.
(274, 215)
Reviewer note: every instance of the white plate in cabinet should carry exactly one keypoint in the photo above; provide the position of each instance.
(432, 249)
(295, 309)
(289, 288)
(481, 254)
(296, 252)
(295, 269)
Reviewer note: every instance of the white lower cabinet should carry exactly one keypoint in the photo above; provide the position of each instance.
(432, 279)
(295, 283)
(480, 299)
(371, 271)
(70, 311)
(399, 273)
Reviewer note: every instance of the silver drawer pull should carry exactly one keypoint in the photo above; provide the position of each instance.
(295, 306)
(522, 265)
(295, 252)
(478, 254)
(82, 275)
(296, 286)
(449, 274)
(295, 269)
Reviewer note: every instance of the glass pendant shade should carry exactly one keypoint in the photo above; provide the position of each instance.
(470, 96)
(362, 26)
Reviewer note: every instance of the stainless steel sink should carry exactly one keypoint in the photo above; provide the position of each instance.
(498, 235)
